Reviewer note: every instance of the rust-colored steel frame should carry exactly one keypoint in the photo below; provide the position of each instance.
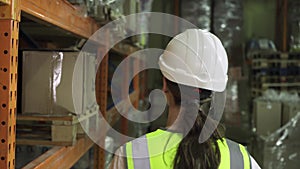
(60, 13)
(9, 34)
(111, 115)
(101, 89)
(124, 121)
(8, 91)
(136, 82)
(281, 26)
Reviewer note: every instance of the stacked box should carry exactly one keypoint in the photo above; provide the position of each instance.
(290, 109)
(52, 82)
(267, 116)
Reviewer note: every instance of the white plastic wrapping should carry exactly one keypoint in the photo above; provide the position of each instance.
(228, 22)
(294, 24)
(273, 110)
(281, 149)
(197, 12)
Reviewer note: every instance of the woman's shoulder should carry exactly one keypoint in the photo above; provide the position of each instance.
(157, 134)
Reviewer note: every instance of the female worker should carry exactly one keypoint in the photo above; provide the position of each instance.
(194, 66)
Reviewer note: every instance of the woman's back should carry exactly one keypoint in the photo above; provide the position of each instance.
(158, 149)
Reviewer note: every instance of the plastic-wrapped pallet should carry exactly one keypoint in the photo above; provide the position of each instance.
(228, 22)
(197, 12)
(280, 149)
(291, 105)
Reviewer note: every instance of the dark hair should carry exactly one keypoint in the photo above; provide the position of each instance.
(191, 153)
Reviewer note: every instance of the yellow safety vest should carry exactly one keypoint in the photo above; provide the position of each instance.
(157, 150)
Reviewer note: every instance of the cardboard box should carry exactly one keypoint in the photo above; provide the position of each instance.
(267, 116)
(290, 109)
(36, 78)
(48, 82)
(64, 95)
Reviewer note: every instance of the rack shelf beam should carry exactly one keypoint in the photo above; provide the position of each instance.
(60, 13)
(61, 157)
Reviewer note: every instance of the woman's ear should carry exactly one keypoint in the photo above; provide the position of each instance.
(168, 94)
(165, 88)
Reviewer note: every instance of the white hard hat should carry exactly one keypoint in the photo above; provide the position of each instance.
(195, 58)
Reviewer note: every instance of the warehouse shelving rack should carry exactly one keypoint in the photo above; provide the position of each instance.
(61, 14)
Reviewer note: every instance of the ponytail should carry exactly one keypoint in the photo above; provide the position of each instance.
(191, 153)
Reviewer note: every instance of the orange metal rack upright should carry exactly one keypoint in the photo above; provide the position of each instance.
(59, 13)
(9, 30)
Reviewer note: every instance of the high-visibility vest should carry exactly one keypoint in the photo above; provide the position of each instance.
(157, 150)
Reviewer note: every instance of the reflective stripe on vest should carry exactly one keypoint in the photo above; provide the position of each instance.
(138, 152)
(138, 148)
(236, 157)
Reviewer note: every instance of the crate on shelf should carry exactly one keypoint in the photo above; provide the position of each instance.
(54, 129)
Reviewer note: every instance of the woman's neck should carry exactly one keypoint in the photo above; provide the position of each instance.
(172, 115)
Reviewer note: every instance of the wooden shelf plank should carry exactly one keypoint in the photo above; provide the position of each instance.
(41, 117)
(60, 13)
(61, 157)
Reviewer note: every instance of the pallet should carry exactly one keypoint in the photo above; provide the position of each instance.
(274, 70)
(268, 55)
(58, 130)
(274, 63)
(258, 91)
(295, 71)
(274, 55)
(276, 79)
(268, 85)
